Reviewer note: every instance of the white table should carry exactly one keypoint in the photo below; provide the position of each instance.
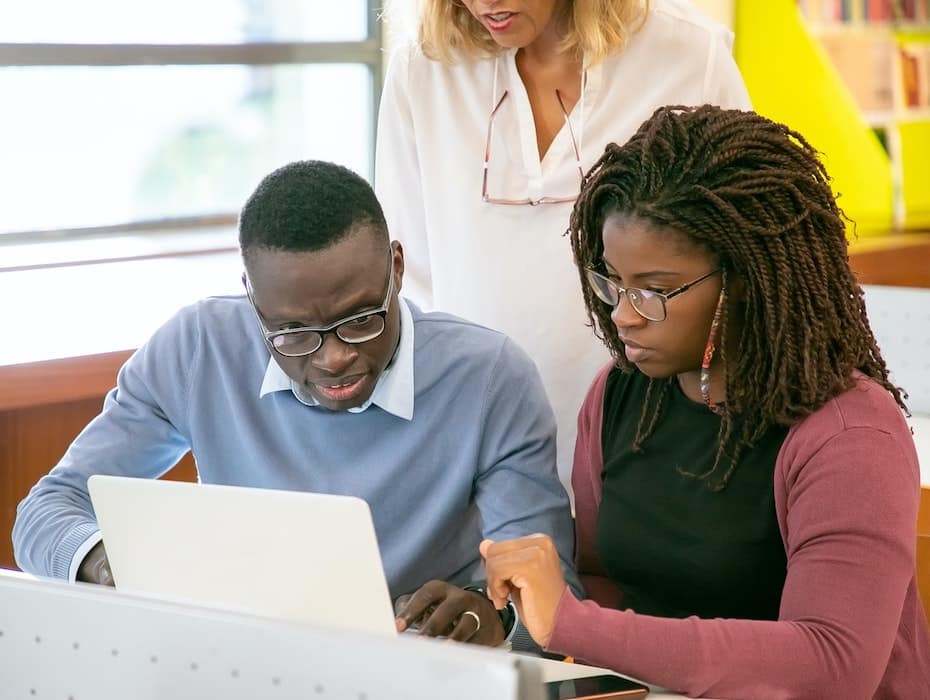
(559, 671)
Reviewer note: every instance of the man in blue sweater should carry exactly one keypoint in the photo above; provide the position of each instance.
(321, 378)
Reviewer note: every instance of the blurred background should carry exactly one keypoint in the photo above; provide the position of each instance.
(118, 113)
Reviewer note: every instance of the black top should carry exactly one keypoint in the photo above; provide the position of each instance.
(676, 547)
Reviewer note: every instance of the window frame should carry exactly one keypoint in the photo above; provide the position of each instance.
(368, 52)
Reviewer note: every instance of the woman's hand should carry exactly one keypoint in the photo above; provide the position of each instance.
(526, 570)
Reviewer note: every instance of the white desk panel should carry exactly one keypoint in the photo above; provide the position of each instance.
(900, 319)
(920, 424)
(81, 642)
(77, 642)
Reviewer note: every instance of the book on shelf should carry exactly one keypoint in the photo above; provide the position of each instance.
(866, 11)
(915, 75)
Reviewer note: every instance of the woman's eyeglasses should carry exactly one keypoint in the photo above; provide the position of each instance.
(648, 304)
(532, 202)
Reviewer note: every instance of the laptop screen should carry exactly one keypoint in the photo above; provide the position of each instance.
(300, 556)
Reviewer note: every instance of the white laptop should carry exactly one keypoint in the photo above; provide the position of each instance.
(299, 556)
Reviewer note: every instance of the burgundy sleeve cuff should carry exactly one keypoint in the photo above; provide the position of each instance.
(566, 630)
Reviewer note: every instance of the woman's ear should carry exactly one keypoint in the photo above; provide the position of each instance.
(736, 288)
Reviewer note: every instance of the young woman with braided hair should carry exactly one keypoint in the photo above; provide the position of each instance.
(746, 484)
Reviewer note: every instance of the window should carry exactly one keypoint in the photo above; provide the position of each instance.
(121, 117)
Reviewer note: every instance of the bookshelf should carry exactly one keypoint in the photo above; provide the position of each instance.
(836, 71)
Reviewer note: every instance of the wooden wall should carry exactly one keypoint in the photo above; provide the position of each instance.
(901, 260)
(923, 549)
(43, 406)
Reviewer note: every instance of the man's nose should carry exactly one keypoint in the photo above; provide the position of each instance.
(334, 355)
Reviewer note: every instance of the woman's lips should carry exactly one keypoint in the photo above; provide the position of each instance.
(634, 352)
(498, 21)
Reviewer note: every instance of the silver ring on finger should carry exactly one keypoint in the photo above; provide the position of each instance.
(473, 614)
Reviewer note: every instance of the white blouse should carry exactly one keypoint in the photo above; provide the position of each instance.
(510, 267)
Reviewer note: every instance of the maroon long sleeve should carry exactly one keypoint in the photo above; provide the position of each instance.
(850, 623)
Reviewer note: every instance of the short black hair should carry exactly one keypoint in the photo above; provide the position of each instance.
(308, 205)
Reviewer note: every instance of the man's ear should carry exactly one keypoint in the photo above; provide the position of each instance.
(397, 256)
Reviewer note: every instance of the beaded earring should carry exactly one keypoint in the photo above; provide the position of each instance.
(718, 408)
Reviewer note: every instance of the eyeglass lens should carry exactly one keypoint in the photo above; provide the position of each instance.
(647, 304)
(359, 330)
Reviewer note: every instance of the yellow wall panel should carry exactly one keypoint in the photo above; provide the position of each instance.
(915, 172)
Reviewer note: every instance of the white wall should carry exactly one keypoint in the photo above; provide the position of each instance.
(720, 10)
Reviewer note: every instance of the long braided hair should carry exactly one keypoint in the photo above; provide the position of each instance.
(753, 194)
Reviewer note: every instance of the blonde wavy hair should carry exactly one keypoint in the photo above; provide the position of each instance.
(595, 29)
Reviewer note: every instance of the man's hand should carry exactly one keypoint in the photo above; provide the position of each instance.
(441, 609)
(526, 570)
(96, 567)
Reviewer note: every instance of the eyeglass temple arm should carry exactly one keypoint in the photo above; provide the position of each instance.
(685, 287)
(571, 132)
(487, 146)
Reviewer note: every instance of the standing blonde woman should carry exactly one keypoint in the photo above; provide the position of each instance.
(486, 125)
